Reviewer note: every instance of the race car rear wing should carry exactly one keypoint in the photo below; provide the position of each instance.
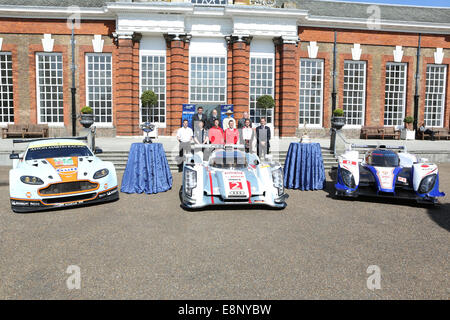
(41, 139)
(219, 146)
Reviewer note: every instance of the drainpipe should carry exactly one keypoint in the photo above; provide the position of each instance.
(333, 93)
(416, 95)
(73, 89)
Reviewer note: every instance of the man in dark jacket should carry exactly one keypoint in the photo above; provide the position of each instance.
(199, 116)
(213, 118)
(262, 139)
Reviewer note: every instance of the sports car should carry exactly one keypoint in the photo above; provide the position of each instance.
(230, 176)
(59, 173)
(386, 172)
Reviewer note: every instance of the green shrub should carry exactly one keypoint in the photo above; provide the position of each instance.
(87, 110)
(408, 119)
(265, 102)
(148, 97)
(338, 112)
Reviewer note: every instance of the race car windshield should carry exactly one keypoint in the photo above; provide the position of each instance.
(57, 152)
(384, 159)
(229, 160)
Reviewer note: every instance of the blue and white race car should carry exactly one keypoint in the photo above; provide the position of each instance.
(55, 173)
(384, 172)
(230, 176)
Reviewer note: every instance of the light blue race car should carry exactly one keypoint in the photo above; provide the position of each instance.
(229, 176)
(384, 172)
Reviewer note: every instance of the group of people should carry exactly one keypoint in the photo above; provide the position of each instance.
(212, 131)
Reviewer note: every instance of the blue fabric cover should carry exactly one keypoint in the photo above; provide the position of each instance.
(303, 168)
(147, 169)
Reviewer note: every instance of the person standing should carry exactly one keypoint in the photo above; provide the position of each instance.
(215, 134)
(231, 134)
(212, 119)
(184, 137)
(247, 136)
(263, 139)
(241, 122)
(226, 121)
(201, 137)
(199, 116)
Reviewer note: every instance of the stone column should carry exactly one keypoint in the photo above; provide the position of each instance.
(177, 79)
(287, 94)
(240, 57)
(127, 101)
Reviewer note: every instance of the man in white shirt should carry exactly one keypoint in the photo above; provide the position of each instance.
(247, 136)
(184, 137)
(225, 123)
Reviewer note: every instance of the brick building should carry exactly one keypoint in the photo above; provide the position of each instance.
(212, 52)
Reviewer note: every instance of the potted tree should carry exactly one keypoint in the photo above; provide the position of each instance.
(87, 116)
(338, 119)
(149, 99)
(265, 102)
(407, 133)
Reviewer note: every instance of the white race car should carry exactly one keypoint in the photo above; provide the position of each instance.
(58, 173)
(231, 177)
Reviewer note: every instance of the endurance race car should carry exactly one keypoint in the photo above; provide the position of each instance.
(231, 177)
(387, 173)
(58, 173)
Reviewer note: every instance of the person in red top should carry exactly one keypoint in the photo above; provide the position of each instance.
(215, 133)
(231, 134)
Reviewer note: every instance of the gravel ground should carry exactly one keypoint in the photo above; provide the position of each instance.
(147, 247)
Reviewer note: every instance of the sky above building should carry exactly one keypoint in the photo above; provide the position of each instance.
(428, 3)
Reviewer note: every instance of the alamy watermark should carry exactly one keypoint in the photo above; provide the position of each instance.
(74, 280)
(374, 280)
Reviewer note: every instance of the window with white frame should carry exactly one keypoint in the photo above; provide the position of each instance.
(311, 92)
(99, 86)
(6, 88)
(208, 79)
(153, 77)
(261, 83)
(208, 71)
(354, 92)
(49, 80)
(395, 94)
(435, 95)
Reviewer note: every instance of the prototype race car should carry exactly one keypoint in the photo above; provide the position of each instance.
(58, 173)
(231, 177)
(387, 173)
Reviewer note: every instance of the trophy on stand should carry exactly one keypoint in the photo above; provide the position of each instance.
(305, 138)
(147, 127)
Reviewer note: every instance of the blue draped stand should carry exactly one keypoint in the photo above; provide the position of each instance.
(147, 169)
(304, 168)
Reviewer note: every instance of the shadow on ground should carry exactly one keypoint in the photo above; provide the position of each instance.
(441, 215)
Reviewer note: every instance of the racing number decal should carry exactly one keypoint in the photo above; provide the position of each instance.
(236, 185)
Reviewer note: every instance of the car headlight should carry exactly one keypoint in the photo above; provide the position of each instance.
(277, 177)
(101, 173)
(31, 180)
(427, 183)
(347, 178)
(190, 180)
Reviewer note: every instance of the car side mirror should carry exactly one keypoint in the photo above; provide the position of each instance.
(14, 156)
(98, 150)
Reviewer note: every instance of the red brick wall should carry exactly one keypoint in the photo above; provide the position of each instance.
(288, 107)
(373, 37)
(127, 107)
(177, 83)
(55, 26)
(240, 78)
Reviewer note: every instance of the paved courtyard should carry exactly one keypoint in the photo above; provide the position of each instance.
(147, 247)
